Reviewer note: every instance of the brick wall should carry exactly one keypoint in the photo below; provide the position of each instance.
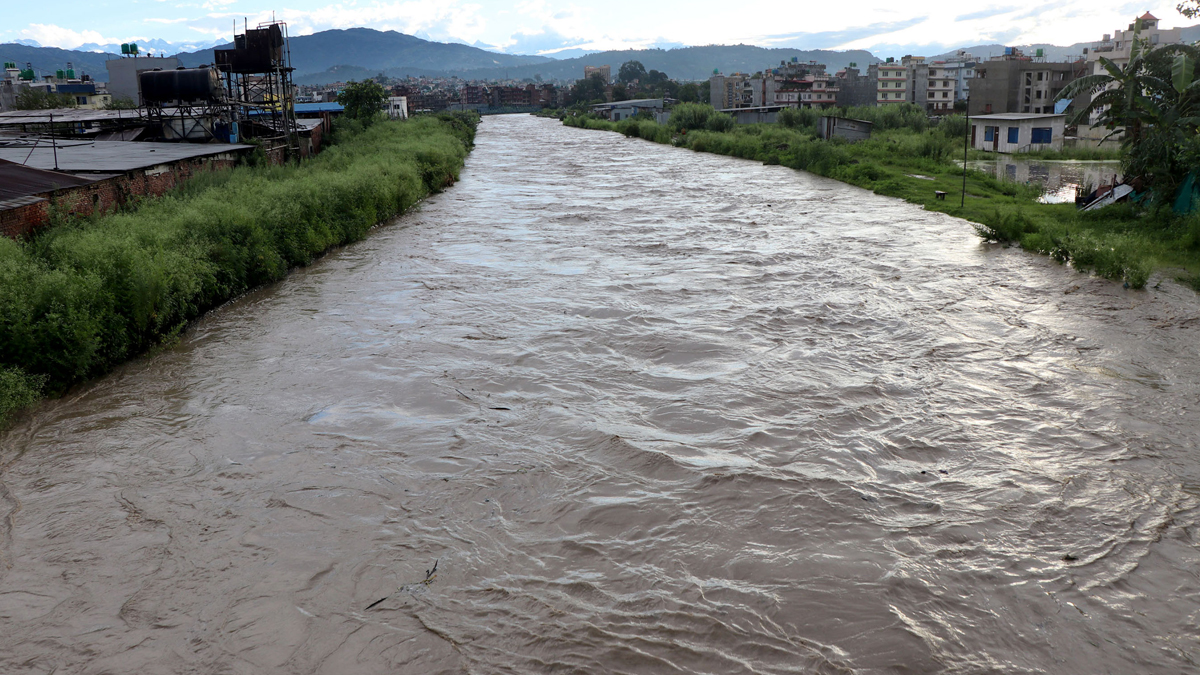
(19, 221)
(106, 195)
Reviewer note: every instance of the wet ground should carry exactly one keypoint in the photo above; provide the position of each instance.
(647, 411)
(1058, 179)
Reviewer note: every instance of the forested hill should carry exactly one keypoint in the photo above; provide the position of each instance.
(378, 51)
(685, 63)
(368, 49)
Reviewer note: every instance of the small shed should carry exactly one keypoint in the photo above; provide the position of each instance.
(763, 114)
(1017, 132)
(622, 110)
(843, 127)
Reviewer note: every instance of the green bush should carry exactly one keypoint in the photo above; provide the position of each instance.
(690, 116)
(82, 297)
(720, 122)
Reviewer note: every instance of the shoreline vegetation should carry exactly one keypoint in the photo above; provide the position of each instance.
(83, 296)
(911, 158)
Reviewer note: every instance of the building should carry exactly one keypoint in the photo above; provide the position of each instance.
(917, 72)
(621, 110)
(88, 176)
(940, 89)
(1117, 48)
(123, 74)
(397, 107)
(854, 88)
(1016, 83)
(843, 127)
(961, 69)
(1017, 132)
(891, 82)
(759, 115)
(730, 91)
(604, 72)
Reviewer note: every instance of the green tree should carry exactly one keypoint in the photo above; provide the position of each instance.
(588, 90)
(620, 93)
(689, 93)
(40, 99)
(1154, 101)
(362, 101)
(630, 71)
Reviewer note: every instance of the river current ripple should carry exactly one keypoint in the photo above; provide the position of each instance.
(649, 411)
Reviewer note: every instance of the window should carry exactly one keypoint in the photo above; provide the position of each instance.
(1026, 109)
(989, 133)
(1028, 79)
(1154, 39)
(1040, 135)
(1014, 134)
(1039, 77)
(81, 100)
(945, 94)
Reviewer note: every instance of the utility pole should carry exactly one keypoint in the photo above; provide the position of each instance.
(53, 143)
(966, 145)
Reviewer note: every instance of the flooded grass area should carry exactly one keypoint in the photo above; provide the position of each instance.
(1058, 180)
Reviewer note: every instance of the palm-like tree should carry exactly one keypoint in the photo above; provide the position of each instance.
(1155, 100)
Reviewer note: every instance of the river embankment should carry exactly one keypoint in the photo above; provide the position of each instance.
(1123, 242)
(86, 295)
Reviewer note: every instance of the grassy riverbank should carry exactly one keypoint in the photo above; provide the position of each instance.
(910, 159)
(87, 295)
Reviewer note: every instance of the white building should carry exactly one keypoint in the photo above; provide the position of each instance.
(397, 107)
(893, 83)
(1117, 48)
(1017, 132)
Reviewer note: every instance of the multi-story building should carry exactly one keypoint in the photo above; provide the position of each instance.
(473, 94)
(730, 91)
(604, 72)
(891, 82)
(961, 69)
(918, 79)
(854, 88)
(1117, 48)
(1016, 83)
(940, 88)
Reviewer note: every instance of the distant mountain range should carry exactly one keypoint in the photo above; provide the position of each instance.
(381, 51)
(358, 53)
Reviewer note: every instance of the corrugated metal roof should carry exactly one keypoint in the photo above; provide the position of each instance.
(65, 115)
(319, 107)
(74, 156)
(23, 181)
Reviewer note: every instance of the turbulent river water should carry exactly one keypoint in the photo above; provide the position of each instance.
(647, 411)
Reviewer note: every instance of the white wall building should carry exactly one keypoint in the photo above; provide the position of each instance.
(1017, 132)
(397, 107)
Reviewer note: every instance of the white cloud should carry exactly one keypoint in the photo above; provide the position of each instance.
(441, 20)
(49, 35)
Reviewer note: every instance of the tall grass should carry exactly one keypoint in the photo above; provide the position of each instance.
(85, 296)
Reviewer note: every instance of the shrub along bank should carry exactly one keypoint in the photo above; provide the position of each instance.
(84, 296)
(910, 158)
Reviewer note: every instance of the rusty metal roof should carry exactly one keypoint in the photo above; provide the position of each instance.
(17, 180)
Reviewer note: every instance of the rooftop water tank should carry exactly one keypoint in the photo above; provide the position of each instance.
(183, 84)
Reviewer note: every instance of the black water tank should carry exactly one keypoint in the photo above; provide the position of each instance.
(183, 84)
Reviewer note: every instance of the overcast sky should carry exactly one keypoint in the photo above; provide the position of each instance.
(886, 27)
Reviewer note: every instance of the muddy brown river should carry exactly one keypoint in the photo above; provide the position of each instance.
(647, 411)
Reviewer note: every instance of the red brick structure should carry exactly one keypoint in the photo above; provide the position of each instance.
(81, 196)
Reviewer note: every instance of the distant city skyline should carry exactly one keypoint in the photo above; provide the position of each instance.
(568, 29)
